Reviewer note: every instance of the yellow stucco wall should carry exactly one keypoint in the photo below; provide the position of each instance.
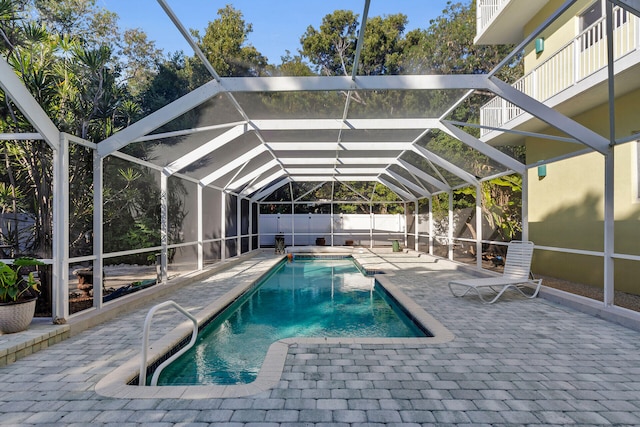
(570, 60)
(556, 35)
(566, 208)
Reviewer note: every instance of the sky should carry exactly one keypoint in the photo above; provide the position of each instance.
(277, 24)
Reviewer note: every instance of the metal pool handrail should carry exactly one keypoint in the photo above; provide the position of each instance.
(145, 342)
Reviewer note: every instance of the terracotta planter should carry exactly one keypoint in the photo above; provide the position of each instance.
(16, 316)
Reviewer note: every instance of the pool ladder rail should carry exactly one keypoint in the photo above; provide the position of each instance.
(145, 342)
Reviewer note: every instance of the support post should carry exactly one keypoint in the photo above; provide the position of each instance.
(250, 227)
(372, 222)
(164, 226)
(609, 172)
(525, 206)
(331, 220)
(416, 217)
(430, 225)
(258, 205)
(60, 249)
(479, 225)
(223, 226)
(450, 226)
(609, 226)
(406, 235)
(238, 226)
(98, 228)
(200, 202)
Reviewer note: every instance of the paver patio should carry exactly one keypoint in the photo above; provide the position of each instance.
(516, 362)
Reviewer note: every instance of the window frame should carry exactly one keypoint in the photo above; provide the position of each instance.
(588, 10)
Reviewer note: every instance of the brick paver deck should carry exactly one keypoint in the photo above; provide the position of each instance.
(516, 362)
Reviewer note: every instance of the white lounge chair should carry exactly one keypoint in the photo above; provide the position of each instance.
(517, 268)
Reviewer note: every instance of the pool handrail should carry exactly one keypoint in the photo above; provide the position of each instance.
(145, 343)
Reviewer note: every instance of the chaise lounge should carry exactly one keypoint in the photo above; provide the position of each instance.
(515, 276)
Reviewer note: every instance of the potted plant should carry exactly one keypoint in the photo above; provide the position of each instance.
(18, 295)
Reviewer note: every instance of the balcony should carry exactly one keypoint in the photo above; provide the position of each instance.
(502, 21)
(574, 78)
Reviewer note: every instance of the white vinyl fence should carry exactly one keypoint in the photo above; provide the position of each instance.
(337, 230)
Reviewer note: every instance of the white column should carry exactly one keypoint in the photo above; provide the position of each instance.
(406, 235)
(60, 249)
(331, 216)
(98, 229)
(430, 216)
(164, 226)
(609, 173)
(223, 226)
(250, 228)
(416, 217)
(450, 227)
(609, 219)
(372, 222)
(479, 225)
(293, 223)
(238, 225)
(200, 201)
(525, 206)
(259, 235)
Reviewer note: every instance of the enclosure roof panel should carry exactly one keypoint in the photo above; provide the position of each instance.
(254, 134)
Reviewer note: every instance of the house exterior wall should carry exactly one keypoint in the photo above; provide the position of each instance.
(555, 36)
(555, 74)
(566, 207)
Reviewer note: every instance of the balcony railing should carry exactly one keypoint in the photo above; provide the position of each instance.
(578, 59)
(487, 9)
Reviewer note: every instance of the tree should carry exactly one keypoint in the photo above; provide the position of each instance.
(171, 80)
(501, 206)
(140, 59)
(83, 19)
(292, 66)
(447, 47)
(332, 48)
(382, 50)
(28, 52)
(98, 96)
(73, 78)
(225, 45)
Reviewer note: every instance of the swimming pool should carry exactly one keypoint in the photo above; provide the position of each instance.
(122, 382)
(317, 298)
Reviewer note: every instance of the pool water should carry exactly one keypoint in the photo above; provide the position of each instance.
(303, 298)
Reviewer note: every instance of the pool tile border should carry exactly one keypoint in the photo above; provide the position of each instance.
(117, 384)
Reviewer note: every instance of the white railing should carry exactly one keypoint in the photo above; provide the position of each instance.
(487, 9)
(142, 380)
(578, 59)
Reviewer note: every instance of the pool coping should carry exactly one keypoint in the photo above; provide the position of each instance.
(116, 384)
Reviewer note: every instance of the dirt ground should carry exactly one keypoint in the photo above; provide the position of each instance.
(622, 299)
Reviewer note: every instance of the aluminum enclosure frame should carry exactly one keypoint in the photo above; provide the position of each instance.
(253, 185)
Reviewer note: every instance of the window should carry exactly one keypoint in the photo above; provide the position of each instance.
(590, 33)
(590, 16)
